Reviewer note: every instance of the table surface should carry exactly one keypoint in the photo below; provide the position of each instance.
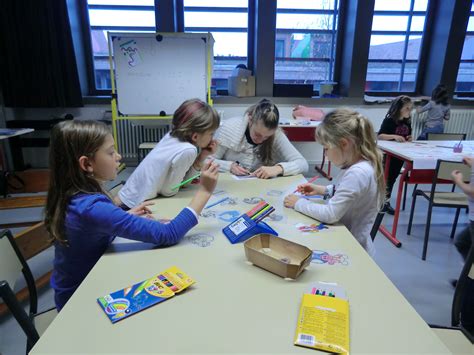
(234, 307)
(424, 154)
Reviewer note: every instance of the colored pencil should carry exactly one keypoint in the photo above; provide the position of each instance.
(216, 203)
(266, 205)
(186, 181)
(265, 214)
(254, 217)
(313, 179)
(256, 208)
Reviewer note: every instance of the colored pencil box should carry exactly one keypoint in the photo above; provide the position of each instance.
(244, 227)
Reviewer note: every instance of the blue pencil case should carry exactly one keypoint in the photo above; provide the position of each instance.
(244, 227)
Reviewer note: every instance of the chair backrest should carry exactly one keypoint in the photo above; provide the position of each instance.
(463, 300)
(446, 136)
(444, 169)
(376, 225)
(10, 264)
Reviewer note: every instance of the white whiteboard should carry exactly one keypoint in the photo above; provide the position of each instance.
(155, 73)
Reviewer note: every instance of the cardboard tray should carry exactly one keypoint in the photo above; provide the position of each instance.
(277, 255)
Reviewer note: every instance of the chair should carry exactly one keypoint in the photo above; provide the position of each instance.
(459, 338)
(143, 149)
(434, 137)
(12, 263)
(376, 225)
(435, 198)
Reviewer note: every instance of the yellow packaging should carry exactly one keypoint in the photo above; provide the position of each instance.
(323, 324)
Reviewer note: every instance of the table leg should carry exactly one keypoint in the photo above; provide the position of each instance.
(392, 236)
(320, 169)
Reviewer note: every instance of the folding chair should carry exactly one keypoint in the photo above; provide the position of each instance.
(435, 198)
(12, 263)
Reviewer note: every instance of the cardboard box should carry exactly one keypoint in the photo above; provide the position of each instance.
(241, 86)
(278, 255)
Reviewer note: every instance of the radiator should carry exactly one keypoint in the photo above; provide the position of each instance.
(131, 133)
(461, 121)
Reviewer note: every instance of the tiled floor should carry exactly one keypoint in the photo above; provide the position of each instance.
(425, 284)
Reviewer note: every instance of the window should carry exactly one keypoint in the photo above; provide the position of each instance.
(228, 22)
(465, 79)
(395, 44)
(305, 41)
(114, 15)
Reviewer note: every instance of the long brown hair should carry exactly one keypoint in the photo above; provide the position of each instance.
(396, 106)
(266, 112)
(351, 125)
(193, 116)
(69, 141)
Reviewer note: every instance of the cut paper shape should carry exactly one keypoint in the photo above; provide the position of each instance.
(228, 216)
(253, 200)
(208, 214)
(323, 257)
(201, 240)
(276, 217)
(312, 228)
(275, 193)
(231, 201)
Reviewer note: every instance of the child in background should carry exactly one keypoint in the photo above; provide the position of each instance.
(178, 156)
(356, 198)
(81, 217)
(438, 112)
(396, 127)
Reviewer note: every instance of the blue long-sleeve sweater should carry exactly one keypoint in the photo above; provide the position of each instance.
(91, 223)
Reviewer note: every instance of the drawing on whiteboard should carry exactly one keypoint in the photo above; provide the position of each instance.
(130, 49)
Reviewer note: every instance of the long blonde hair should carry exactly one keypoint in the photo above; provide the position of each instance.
(348, 124)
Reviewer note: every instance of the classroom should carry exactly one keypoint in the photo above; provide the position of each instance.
(295, 175)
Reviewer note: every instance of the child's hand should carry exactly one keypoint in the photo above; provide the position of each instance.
(209, 150)
(238, 170)
(209, 175)
(457, 176)
(267, 172)
(409, 138)
(310, 189)
(290, 201)
(468, 161)
(141, 209)
(399, 139)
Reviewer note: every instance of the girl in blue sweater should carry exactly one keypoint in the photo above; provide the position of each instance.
(81, 217)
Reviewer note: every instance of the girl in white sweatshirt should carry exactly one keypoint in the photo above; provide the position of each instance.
(178, 156)
(358, 193)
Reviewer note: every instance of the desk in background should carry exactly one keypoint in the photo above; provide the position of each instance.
(420, 163)
(234, 307)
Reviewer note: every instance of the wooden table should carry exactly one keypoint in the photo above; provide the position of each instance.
(420, 159)
(234, 307)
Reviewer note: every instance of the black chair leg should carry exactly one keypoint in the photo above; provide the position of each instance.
(404, 195)
(412, 212)
(376, 225)
(427, 232)
(456, 217)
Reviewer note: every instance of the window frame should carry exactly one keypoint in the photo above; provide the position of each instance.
(335, 43)
(407, 33)
(465, 93)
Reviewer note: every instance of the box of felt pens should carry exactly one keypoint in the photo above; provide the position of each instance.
(250, 224)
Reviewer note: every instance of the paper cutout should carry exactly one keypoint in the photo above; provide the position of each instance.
(201, 240)
(253, 200)
(329, 258)
(228, 216)
(312, 228)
